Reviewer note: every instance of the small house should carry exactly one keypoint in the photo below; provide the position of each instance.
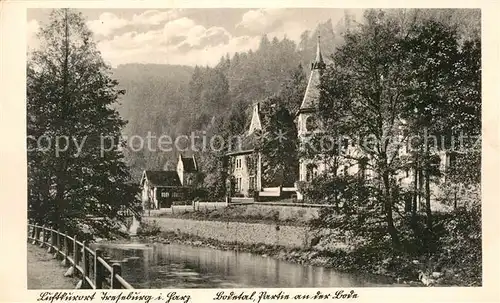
(160, 188)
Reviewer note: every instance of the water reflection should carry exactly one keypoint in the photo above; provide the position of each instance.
(182, 266)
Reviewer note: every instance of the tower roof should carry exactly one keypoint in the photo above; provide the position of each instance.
(311, 97)
(318, 62)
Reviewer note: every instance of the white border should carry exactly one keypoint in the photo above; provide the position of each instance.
(13, 156)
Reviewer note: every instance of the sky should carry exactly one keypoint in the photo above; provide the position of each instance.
(187, 36)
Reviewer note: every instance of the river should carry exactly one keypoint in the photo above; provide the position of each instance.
(156, 265)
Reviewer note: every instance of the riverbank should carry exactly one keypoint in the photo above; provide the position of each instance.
(452, 257)
(338, 260)
(382, 261)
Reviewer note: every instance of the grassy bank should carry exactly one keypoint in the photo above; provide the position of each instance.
(293, 216)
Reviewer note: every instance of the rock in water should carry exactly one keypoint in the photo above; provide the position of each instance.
(425, 279)
(79, 284)
(134, 227)
(69, 272)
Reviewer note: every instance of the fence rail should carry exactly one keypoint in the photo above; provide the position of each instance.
(92, 266)
(291, 204)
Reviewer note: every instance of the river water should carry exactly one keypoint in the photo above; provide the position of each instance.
(156, 265)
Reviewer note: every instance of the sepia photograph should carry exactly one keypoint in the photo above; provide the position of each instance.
(225, 148)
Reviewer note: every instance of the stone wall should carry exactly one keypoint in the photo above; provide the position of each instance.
(247, 233)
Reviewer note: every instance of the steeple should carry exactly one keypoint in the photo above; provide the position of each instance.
(318, 62)
(311, 96)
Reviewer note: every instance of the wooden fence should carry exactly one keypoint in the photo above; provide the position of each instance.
(93, 268)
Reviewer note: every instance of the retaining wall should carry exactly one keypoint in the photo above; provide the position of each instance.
(247, 233)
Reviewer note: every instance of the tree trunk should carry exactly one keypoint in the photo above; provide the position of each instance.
(428, 210)
(62, 165)
(391, 229)
(420, 186)
(415, 194)
(455, 201)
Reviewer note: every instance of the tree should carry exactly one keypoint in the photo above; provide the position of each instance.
(362, 97)
(432, 50)
(278, 143)
(293, 89)
(390, 82)
(70, 98)
(443, 86)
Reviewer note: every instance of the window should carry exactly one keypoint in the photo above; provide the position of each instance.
(250, 163)
(165, 194)
(311, 124)
(189, 180)
(176, 195)
(345, 146)
(238, 184)
(310, 172)
(362, 168)
(345, 143)
(238, 163)
(252, 182)
(452, 159)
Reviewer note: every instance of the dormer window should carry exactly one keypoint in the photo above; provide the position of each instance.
(311, 124)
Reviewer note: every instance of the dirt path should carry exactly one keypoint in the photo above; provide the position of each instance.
(44, 272)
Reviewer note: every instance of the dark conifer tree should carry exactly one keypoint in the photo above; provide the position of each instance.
(70, 99)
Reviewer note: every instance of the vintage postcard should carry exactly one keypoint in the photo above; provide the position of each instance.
(250, 152)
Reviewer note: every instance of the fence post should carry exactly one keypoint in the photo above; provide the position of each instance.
(42, 243)
(52, 242)
(58, 252)
(66, 250)
(85, 264)
(117, 270)
(35, 239)
(76, 255)
(98, 269)
(31, 233)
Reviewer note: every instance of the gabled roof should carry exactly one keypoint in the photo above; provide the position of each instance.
(246, 144)
(255, 123)
(161, 178)
(189, 164)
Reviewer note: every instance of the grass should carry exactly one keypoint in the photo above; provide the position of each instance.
(284, 215)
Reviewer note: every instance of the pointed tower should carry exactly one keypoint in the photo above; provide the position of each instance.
(307, 121)
(309, 106)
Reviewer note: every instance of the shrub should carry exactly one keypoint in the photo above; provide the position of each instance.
(149, 229)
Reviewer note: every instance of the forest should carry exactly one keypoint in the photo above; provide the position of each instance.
(174, 100)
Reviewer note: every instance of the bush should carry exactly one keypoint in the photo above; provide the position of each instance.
(149, 229)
